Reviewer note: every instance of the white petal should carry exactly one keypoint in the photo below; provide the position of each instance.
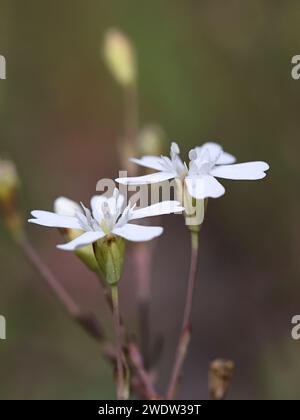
(215, 153)
(213, 150)
(226, 159)
(204, 187)
(152, 162)
(147, 179)
(66, 207)
(86, 238)
(116, 201)
(96, 206)
(138, 233)
(249, 170)
(47, 218)
(165, 207)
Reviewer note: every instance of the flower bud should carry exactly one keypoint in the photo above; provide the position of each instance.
(109, 253)
(152, 140)
(66, 207)
(220, 375)
(9, 185)
(119, 55)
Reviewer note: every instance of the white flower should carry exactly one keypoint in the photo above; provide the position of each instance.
(107, 217)
(207, 163)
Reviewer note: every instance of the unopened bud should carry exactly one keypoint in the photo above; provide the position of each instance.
(152, 140)
(119, 55)
(219, 378)
(9, 185)
(109, 253)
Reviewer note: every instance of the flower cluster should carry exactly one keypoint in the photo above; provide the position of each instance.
(110, 217)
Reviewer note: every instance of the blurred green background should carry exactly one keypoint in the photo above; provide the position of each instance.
(208, 70)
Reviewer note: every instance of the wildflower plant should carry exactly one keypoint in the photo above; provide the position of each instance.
(195, 183)
(98, 234)
(106, 226)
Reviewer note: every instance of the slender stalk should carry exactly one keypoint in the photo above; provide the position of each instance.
(142, 255)
(138, 364)
(186, 324)
(131, 116)
(86, 320)
(131, 113)
(119, 354)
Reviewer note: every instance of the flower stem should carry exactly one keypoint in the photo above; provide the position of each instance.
(145, 379)
(117, 327)
(186, 324)
(131, 113)
(131, 117)
(142, 254)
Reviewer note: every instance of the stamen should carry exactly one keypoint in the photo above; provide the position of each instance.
(175, 149)
(193, 154)
(87, 212)
(82, 219)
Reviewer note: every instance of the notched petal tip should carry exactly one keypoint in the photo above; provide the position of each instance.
(265, 166)
(35, 213)
(241, 171)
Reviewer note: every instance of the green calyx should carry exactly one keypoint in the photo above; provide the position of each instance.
(194, 209)
(109, 253)
(86, 253)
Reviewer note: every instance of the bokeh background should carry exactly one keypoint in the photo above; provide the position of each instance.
(208, 70)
